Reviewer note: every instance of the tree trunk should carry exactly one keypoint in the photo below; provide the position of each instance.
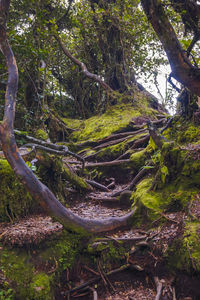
(182, 69)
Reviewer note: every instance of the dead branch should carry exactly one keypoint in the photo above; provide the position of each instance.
(124, 240)
(97, 278)
(107, 163)
(158, 287)
(104, 199)
(97, 185)
(63, 151)
(48, 147)
(90, 270)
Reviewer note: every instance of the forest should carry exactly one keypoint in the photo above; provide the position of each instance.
(99, 149)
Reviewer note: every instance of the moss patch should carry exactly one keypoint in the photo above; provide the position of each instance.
(138, 159)
(32, 273)
(41, 134)
(184, 254)
(15, 201)
(114, 119)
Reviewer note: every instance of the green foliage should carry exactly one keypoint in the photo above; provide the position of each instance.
(41, 134)
(164, 172)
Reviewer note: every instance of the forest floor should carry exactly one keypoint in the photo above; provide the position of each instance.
(143, 273)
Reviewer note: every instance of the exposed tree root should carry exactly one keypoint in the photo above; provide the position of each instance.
(139, 176)
(107, 163)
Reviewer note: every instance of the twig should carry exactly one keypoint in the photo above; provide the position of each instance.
(131, 239)
(102, 275)
(98, 185)
(95, 295)
(91, 270)
(174, 293)
(158, 287)
(169, 219)
(107, 163)
(97, 278)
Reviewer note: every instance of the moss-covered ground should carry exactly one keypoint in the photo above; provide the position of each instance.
(171, 186)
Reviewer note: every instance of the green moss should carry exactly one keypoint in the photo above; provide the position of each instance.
(111, 152)
(108, 252)
(184, 253)
(54, 174)
(73, 123)
(171, 197)
(183, 132)
(26, 271)
(15, 201)
(64, 250)
(150, 199)
(41, 134)
(116, 118)
(74, 179)
(17, 271)
(40, 288)
(138, 159)
(191, 134)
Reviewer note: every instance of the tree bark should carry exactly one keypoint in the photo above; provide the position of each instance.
(182, 69)
(38, 191)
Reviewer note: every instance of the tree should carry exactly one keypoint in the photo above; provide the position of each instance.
(114, 66)
(38, 191)
(182, 68)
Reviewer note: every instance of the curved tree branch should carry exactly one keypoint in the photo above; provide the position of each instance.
(38, 190)
(92, 76)
(181, 66)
